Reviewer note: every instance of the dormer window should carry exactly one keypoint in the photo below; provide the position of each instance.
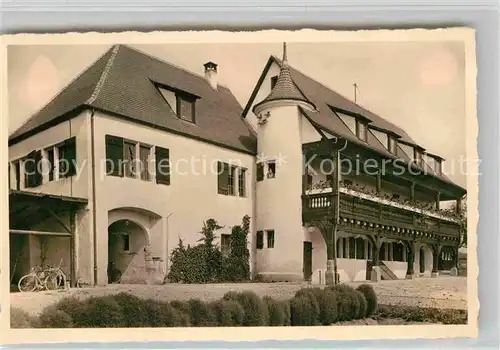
(417, 156)
(391, 144)
(437, 166)
(185, 107)
(361, 130)
(274, 80)
(181, 102)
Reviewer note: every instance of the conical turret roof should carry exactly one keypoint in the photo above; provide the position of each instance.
(285, 88)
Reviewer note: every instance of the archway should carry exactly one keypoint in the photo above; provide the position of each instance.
(446, 258)
(421, 259)
(127, 241)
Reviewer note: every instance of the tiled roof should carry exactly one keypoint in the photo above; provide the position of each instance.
(325, 99)
(122, 82)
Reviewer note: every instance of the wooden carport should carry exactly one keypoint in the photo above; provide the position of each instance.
(26, 209)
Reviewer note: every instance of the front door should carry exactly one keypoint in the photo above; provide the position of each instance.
(307, 261)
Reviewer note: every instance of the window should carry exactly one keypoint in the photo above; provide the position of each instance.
(260, 171)
(360, 248)
(162, 160)
(230, 180)
(50, 159)
(67, 158)
(225, 244)
(126, 242)
(129, 157)
(242, 182)
(32, 169)
(270, 238)
(352, 248)
(223, 178)
(340, 247)
(309, 181)
(271, 169)
(274, 80)
(114, 155)
(144, 152)
(17, 169)
(361, 131)
(185, 108)
(391, 146)
(260, 240)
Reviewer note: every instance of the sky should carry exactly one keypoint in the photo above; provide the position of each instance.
(419, 86)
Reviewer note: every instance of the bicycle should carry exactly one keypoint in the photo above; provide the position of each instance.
(42, 279)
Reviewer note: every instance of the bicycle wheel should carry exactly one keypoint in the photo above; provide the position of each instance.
(55, 280)
(27, 283)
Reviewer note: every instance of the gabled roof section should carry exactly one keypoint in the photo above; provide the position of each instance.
(329, 102)
(123, 83)
(285, 88)
(75, 94)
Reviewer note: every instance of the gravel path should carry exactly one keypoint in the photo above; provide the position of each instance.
(442, 292)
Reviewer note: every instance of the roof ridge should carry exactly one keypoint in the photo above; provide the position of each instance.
(335, 91)
(104, 75)
(60, 91)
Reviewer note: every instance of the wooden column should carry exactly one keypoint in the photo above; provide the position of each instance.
(411, 257)
(438, 199)
(435, 260)
(375, 273)
(458, 209)
(379, 181)
(412, 191)
(72, 250)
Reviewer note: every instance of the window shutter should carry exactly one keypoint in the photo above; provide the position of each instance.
(70, 155)
(162, 157)
(114, 155)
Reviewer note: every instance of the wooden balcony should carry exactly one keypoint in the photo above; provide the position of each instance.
(363, 212)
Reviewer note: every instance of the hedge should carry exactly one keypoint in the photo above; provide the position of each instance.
(309, 306)
(371, 298)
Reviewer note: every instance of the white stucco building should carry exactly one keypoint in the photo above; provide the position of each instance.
(136, 153)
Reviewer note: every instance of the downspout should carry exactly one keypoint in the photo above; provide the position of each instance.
(94, 209)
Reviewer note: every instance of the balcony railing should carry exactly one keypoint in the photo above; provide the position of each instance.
(361, 206)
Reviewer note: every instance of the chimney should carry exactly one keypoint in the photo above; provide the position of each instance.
(211, 74)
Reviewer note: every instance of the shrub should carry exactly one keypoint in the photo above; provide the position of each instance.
(99, 312)
(363, 304)
(420, 314)
(275, 310)
(228, 313)
(21, 319)
(371, 298)
(133, 309)
(51, 317)
(201, 315)
(347, 302)
(313, 294)
(256, 313)
(160, 314)
(328, 307)
(303, 311)
(286, 312)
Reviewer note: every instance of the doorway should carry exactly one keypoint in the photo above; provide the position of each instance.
(307, 261)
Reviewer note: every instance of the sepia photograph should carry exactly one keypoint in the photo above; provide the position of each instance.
(242, 183)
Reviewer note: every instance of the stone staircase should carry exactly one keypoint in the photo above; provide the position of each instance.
(386, 273)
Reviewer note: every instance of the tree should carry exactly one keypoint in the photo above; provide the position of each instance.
(212, 254)
(237, 264)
